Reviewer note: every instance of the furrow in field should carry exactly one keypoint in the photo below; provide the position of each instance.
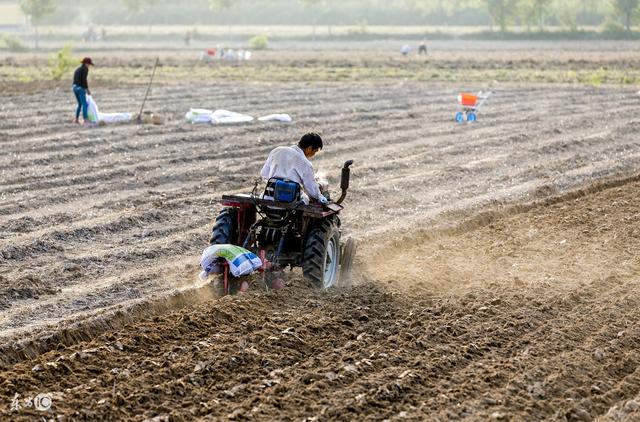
(99, 192)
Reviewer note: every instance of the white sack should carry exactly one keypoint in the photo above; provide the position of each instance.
(201, 115)
(92, 110)
(225, 116)
(95, 116)
(276, 117)
(115, 117)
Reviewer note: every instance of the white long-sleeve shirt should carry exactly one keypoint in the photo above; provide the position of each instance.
(290, 163)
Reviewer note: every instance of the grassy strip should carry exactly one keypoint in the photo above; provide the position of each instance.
(286, 73)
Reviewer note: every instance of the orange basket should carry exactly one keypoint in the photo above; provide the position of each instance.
(467, 100)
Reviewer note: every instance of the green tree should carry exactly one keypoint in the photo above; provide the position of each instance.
(219, 5)
(134, 6)
(36, 10)
(540, 10)
(567, 13)
(501, 12)
(534, 12)
(319, 7)
(526, 13)
(137, 7)
(441, 9)
(627, 10)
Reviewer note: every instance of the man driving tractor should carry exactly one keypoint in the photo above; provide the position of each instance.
(292, 163)
(279, 228)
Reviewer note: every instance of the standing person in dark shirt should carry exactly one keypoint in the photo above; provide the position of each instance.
(422, 49)
(81, 88)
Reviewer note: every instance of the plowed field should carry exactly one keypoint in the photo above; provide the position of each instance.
(525, 311)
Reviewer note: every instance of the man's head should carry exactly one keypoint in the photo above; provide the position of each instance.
(87, 61)
(310, 143)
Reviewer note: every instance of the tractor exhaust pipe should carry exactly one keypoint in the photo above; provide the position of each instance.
(344, 180)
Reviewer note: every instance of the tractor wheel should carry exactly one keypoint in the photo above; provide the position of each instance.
(224, 228)
(322, 255)
(346, 262)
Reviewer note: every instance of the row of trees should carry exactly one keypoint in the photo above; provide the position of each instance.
(498, 14)
(565, 12)
(526, 13)
(501, 12)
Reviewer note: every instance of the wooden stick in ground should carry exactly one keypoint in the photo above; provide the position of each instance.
(153, 73)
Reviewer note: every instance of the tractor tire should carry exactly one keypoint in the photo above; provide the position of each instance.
(224, 228)
(347, 258)
(321, 259)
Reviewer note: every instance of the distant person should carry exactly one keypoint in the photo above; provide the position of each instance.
(405, 50)
(81, 89)
(89, 35)
(422, 48)
(229, 54)
(187, 38)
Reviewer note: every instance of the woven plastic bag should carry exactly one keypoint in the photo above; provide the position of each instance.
(241, 261)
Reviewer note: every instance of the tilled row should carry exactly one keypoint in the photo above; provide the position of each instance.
(358, 353)
(87, 198)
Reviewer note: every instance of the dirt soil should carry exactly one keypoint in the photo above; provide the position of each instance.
(458, 54)
(529, 313)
